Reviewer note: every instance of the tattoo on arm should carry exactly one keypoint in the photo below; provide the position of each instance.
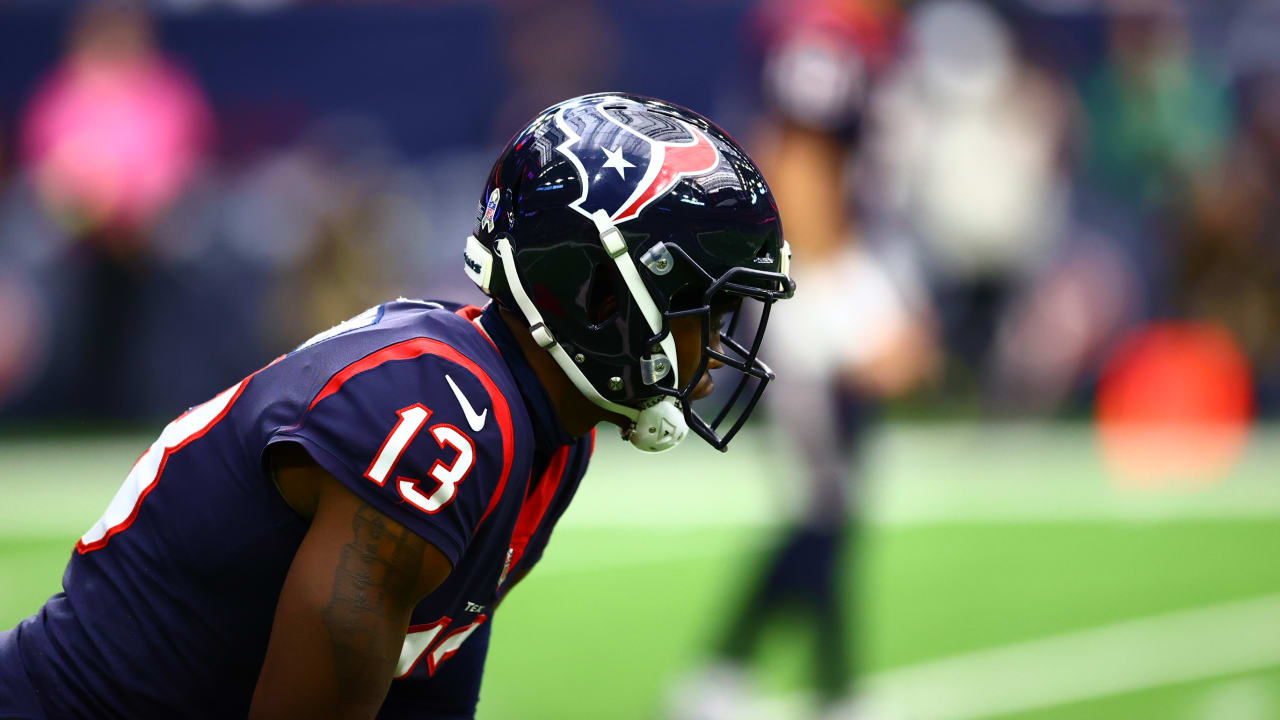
(377, 571)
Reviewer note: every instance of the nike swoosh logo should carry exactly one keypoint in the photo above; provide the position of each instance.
(474, 419)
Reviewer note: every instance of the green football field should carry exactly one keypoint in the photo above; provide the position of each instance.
(1000, 574)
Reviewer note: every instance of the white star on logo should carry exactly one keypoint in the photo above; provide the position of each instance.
(616, 161)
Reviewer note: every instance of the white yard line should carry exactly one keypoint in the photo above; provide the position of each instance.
(1106, 660)
(1097, 662)
(920, 474)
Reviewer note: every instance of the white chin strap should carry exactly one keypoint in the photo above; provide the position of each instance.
(657, 425)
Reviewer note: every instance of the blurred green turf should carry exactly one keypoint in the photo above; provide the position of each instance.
(928, 592)
(630, 595)
(30, 571)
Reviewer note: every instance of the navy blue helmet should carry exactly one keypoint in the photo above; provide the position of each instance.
(607, 217)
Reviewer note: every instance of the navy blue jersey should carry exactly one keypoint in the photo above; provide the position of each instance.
(425, 410)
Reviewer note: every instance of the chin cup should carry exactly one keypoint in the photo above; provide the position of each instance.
(659, 426)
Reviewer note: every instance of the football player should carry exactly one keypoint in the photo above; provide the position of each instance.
(330, 536)
(857, 332)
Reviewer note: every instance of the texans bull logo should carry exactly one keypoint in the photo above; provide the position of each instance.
(623, 169)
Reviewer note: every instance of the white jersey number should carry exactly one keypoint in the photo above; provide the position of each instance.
(447, 477)
(419, 639)
(142, 479)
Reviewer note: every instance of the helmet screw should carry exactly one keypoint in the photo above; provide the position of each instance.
(615, 383)
(658, 259)
(579, 358)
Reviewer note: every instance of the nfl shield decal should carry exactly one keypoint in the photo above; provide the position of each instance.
(491, 210)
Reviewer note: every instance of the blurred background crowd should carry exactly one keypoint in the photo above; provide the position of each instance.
(190, 187)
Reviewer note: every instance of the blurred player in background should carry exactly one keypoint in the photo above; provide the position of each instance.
(1227, 267)
(111, 138)
(328, 537)
(858, 331)
(966, 143)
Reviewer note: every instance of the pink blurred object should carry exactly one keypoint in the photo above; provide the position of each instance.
(869, 25)
(112, 140)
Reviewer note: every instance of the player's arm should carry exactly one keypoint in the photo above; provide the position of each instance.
(345, 604)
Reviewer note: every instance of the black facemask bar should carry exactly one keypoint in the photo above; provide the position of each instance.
(727, 296)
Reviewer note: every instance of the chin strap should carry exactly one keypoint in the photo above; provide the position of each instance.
(613, 243)
(658, 425)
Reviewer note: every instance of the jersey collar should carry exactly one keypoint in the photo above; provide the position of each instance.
(548, 432)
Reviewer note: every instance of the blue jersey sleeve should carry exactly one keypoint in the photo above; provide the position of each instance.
(418, 431)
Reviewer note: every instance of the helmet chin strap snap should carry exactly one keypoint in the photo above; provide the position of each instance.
(659, 426)
(656, 426)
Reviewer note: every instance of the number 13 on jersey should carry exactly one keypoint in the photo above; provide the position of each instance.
(447, 477)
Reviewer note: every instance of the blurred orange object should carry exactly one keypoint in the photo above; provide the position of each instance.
(1174, 405)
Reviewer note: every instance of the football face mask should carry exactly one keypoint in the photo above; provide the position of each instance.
(733, 316)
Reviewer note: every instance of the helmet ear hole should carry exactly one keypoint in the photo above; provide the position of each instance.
(602, 295)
